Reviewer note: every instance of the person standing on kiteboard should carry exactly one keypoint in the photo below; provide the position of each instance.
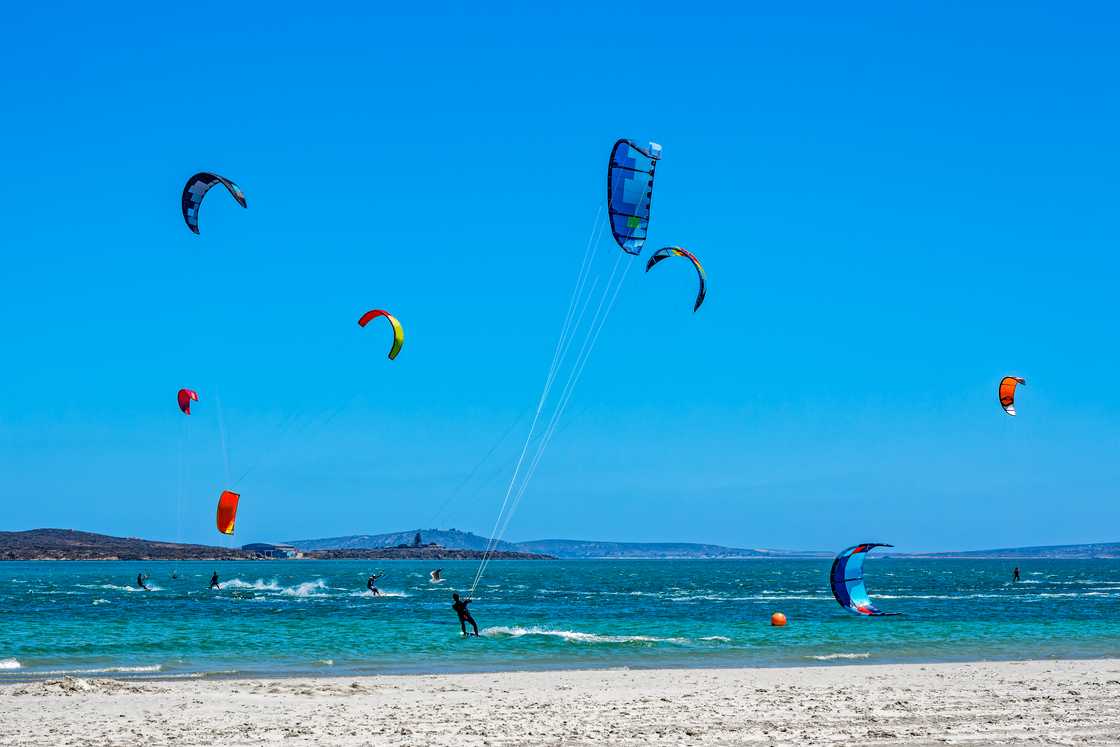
(460, 607)
(214, 581)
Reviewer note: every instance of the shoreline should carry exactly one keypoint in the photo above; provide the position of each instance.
(153, 673)
(976, 703)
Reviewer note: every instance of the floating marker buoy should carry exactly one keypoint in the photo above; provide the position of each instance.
(778, 620)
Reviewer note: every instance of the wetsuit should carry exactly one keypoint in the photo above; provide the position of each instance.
(214, 582)
(464, 614)
(370, 584)
(140, 582)
(1015, 575)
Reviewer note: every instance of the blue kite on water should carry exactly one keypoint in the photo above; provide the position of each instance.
(847, 581)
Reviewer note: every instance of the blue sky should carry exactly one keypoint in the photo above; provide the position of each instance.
(896, 206)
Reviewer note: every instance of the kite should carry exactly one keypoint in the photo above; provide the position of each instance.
(197, 187)
(398, 331)
(185, 397)
(676, 251)
(630, 192)
(227, 511)
(847, 581)
(1007, 392)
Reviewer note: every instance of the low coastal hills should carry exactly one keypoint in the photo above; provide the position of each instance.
(69, 544)
(450, 544)
(582, 549)
(558, 548)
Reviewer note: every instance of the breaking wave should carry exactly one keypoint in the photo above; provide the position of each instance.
(834, 657)
(574, 636)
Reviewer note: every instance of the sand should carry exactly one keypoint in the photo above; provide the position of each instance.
(1035, 702)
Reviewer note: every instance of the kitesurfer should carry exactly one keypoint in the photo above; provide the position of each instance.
(1015, 575)
(214, 581)
(435, 575)
(140, 582)
(460, 607)
(371, 583)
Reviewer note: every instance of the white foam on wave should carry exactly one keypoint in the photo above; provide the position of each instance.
(940, 596)
(384, 593)
(584, 593)
(720, 638)
(9, 664)
(100, 601)
(306, 589)
(316, 588)
(574, 636)
(833, 657)
(1062, 595)
(259, 585)
(755, 598)
(116, 587)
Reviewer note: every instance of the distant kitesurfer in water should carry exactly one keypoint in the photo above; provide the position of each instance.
(214, 582)
(140, 582)
(460, 607)
(1015, 575)
(436, 578)
(371, 584)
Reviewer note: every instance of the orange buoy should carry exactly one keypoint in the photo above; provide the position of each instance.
(777, 619)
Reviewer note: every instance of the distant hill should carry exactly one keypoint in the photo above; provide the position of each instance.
(1068, 552)
(449, 538)
(426, 552)
(649, 550)
(559, 548)
(583, 549)
(68, 544)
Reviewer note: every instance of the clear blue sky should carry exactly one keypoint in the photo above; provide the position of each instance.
(896, 206)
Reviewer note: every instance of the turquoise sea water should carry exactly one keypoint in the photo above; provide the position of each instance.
(316, 618)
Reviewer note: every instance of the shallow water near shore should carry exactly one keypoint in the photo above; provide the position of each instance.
(301, 617)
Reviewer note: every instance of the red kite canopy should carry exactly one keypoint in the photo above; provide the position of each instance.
(227, 511)
(185, 397)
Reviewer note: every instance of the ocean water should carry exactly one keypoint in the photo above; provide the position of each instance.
(300, 617)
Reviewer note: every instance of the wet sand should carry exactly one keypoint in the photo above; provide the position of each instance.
(1035, 702)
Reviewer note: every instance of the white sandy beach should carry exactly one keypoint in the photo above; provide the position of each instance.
(1035, 702)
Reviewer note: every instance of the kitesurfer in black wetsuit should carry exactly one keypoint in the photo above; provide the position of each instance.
(460, 607)
(140, 582)
(371, 584)
(214, 582)
(1015, 575)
